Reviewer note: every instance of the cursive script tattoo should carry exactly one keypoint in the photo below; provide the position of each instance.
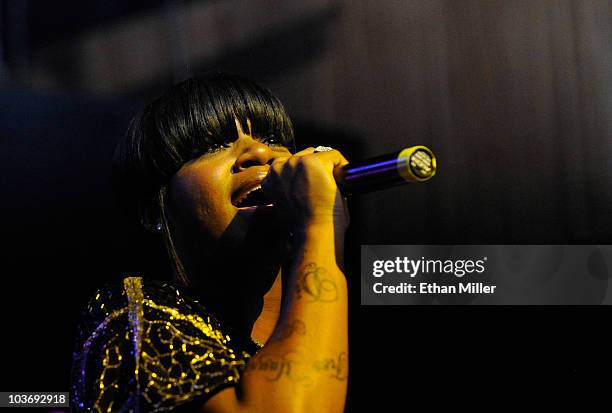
(294, 367)
(290, 366)
(315, 285)
(336, 368)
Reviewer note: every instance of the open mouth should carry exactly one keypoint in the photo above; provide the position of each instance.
(253, 197)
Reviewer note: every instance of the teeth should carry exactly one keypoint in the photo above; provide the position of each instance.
(254, 189)
(243, 197)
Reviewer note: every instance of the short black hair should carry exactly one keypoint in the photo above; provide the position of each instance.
(189, 120)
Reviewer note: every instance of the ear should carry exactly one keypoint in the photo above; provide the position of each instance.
(150, 217)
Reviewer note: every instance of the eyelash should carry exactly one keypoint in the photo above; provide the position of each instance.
(216, 147)
(271, 142)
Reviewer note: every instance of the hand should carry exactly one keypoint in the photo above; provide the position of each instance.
(303, 188)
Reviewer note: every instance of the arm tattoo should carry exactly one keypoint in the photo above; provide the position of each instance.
(289, 365)
(315, 285)
(294, 367)
(335, 368)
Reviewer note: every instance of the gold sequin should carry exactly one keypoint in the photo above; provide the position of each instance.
(177, 351)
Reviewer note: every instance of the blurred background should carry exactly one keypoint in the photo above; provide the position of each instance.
(514, 96)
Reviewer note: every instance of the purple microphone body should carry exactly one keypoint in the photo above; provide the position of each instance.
(414, 164)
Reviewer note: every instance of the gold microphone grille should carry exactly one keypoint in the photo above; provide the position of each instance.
(421, 164)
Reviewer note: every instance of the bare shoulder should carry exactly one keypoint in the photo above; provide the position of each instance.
(225, 401)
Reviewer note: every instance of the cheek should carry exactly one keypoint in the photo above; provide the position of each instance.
(201, 200)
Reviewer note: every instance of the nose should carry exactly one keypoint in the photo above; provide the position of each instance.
(254, 154)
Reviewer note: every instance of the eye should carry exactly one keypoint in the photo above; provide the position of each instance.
(273, 142)
(217, 147)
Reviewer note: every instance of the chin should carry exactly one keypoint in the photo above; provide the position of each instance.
(257, 234)
(266, 230)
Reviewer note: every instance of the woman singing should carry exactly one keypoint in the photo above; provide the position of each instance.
(255, 235)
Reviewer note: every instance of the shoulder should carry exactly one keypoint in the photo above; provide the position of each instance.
(143, 344)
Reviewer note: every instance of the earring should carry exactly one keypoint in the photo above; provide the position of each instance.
(158, 227)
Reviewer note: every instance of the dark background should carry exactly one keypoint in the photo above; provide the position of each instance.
(515, 98)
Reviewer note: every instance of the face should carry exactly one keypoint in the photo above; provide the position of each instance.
(216, 207)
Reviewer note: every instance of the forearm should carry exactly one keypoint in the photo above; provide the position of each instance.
(304, 365)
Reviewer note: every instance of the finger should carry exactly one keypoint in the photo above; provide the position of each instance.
(304, 152)
(334, 156)
(285, 157)
(277, 166)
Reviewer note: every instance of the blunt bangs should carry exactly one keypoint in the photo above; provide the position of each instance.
(188, 121)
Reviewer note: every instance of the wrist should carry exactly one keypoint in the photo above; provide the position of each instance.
(317, 228)
(318, 238)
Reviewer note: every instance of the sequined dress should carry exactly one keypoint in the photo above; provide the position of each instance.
(145, 347)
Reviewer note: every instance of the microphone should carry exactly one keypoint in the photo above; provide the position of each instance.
(414, 164)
